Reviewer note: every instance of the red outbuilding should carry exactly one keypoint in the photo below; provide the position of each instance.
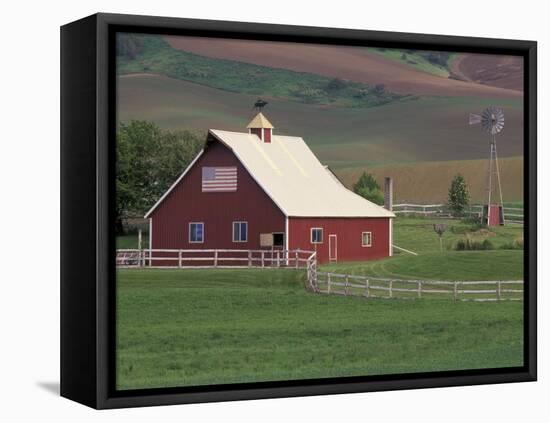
(258, 190)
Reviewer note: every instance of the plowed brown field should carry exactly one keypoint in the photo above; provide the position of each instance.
(353, 63)
(497, 71)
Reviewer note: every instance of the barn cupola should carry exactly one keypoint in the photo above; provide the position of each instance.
(261, 127)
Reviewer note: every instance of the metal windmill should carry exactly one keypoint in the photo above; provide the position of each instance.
(492, 121)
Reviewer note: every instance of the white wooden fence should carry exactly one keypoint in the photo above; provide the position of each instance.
(320, 282)
(172, 258)
(511, 214)
(373, 287)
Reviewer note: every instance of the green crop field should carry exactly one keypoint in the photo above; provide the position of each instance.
(210, 326)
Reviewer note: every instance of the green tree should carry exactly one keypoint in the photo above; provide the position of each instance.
(459, 195)
(367, 187)
(129, 45)
(148, 161)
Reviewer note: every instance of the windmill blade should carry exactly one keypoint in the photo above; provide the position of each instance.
(492, 120)
(474, 119)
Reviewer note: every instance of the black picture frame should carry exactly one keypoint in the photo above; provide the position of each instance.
(88, 116)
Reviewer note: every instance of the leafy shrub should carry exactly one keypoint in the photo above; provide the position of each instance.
(367, 187)
(516, 244)
(336, 84)
(466, 244)
(487, 245)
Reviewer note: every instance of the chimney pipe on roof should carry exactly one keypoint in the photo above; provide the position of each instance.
(388, 193)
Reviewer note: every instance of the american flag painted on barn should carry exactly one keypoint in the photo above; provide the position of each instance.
(219, 179)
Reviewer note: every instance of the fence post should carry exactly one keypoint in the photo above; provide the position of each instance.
(249, 258)
(296, 259)
(179, 259)
(150, 257)
(455, 290)
(328, 283)
(498, 290)
(262, 259)
(215, 258)
(141, 258)
(391, 293)
(419, 289)
(346, 288)
(367, 288)
(278, 262)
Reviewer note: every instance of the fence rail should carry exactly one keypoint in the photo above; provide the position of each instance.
(320, 282)
(373, 287)
(185, 258)
(511, 214)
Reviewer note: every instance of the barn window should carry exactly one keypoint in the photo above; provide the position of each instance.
(316, 235)
(196, 232)
(278, 239)
(240, 231)
(366, 239)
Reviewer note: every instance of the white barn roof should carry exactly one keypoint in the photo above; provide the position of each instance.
(294, 178)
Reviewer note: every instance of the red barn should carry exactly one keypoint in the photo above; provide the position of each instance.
(244, 188)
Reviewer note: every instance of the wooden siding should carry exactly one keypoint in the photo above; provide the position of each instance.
(348, 232)
(218, 210)
(267, 134)
(257, 132)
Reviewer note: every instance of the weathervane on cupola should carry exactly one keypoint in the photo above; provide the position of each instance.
(259, 105)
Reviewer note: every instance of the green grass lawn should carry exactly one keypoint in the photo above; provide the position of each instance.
(447, 266)
(417, 234)
(194, 327)
(212, 326)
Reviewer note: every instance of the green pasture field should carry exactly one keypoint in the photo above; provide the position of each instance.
(211, 326)
(417, 234)
(200, 327)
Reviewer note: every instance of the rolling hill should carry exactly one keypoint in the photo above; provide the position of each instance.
(353, 63)
(497, 71)
(427, 182)
(425, 129)
(399, 113)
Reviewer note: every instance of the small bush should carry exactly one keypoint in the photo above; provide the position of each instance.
(487, 245)
(516, 244)
(466, 244)
(470, 220)
(336, 84)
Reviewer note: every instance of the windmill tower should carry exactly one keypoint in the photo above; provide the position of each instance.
(492, 121)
